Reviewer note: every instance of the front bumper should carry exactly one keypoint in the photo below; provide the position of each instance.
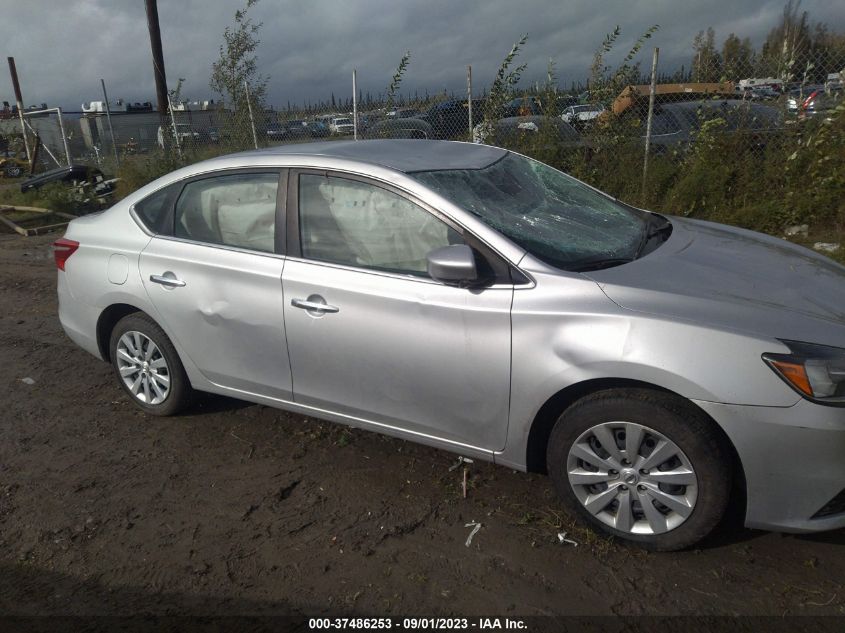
(793, 459)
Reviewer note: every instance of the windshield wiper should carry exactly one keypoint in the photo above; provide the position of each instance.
(653, 230)
(597, 264)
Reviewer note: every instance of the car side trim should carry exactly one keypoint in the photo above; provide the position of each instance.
(364, 423)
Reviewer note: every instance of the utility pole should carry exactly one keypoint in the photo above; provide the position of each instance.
(158, 56)
(19, 100)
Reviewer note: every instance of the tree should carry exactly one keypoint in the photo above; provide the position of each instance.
(786, 51)
(737, 58)
(396, 81)
(605, 83)
(706, 62)
(503, 85)
(234, 71)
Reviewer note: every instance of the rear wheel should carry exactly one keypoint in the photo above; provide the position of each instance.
(643, 466)
(147, 366)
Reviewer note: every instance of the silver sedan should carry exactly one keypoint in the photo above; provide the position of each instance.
(466, 297)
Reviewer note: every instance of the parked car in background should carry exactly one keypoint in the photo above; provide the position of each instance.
(466, 297)
(582, 114)
(276, 131)
(796, 96)
(515, 131)
(533, 105)
(450, 119)
(764, 93)
(288, 130)
(366, 120)
(318, 129)
(676, 124)
(820, 102)
(407, 128)
(341, 125)
(187, 135)
(444, 120)
(404, 113)
(297, 129)
(209, 135)
(522, 106)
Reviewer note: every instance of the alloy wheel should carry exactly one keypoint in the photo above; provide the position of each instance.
(143, 368)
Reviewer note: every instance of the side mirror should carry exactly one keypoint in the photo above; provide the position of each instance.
(453, 264)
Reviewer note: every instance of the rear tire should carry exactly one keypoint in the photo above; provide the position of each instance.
(147, 366)
(644, 466)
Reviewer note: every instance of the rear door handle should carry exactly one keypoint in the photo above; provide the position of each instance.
(167, 279)
(314, 303)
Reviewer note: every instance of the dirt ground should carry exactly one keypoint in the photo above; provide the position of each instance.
(236, 508)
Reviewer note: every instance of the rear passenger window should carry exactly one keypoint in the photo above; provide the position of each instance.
(153, 210)
(233, 210)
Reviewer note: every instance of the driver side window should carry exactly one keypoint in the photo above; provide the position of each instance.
(359, 224)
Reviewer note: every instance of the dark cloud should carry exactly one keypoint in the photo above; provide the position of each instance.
(310, 48)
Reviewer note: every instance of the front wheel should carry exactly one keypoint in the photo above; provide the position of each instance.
(644, 466)
(147, 366)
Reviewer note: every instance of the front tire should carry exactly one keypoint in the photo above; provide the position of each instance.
(147, 366)
(643, 466)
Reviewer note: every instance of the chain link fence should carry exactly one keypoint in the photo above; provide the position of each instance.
(639, 132)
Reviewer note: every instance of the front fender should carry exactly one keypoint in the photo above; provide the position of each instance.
(565, 332)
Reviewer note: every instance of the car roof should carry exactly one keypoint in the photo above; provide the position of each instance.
(398, 154)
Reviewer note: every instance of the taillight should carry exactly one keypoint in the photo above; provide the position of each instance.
(62, 249)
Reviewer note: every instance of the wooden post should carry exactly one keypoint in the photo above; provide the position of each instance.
(19, 100)
(158, 56)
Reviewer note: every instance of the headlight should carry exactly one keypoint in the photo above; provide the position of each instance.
(815, 371)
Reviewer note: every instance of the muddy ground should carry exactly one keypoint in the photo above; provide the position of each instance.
(237, 508)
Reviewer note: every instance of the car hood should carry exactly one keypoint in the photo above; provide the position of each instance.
(734, 279)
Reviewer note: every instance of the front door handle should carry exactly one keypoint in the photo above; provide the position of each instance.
(167, 279)
(314, 303)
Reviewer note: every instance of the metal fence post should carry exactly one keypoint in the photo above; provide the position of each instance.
(64, 137)
(251, 120)
(355, 105)
(173, 123)
(111, 129)
(652, 90)
(469, 99)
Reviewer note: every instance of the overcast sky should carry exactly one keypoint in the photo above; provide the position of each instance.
(309, 47)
